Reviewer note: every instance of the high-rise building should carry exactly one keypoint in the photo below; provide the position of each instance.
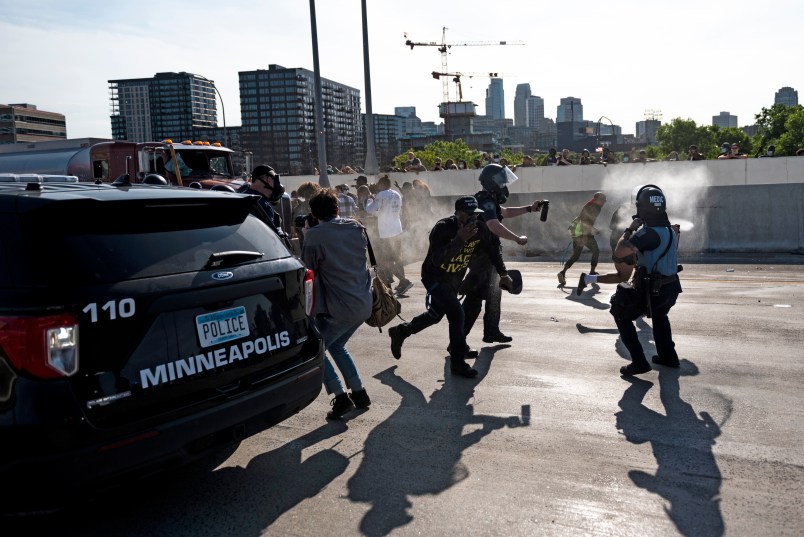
(570, 127)
(646, 130)
(521, 105)
(404, 111)
(548, 134)
(724, 120)
(168, 105)
(534, 112)
(429, 128)
(786, 96)
(495, 99)
(412, 123)
(23, 122)
(277, 108)
(497, 127)
(570, 109)
(387, 130)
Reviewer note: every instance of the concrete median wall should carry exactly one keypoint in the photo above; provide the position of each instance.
(749, 205)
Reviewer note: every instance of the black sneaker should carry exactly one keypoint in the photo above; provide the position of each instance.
(633, 369)
(341, 404)
(581, 284)
(498, 338)
(403, 287)
(360, 399)
(462, 369)
(397, 338)
(662, 361)
(471, 353)
(562, 280)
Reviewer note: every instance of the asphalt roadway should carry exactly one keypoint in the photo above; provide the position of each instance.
(547, 440)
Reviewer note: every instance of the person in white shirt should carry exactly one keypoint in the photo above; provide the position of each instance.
(387, 205)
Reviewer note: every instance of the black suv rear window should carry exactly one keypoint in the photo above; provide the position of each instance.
(124, 241)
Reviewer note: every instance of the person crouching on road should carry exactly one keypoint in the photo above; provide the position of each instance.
(624, 267)
(335, 250)
(453, 242)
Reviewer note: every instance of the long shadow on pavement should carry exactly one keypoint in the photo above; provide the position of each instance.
(687, 476)
(417, 450)
(644, 332)
(196, 500)
(589, 297)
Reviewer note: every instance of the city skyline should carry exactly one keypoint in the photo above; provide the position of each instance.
(52, 59)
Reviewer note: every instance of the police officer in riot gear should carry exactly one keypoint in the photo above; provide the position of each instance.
(656, 248)
(484, 283)
(266, 183)
(454, 242)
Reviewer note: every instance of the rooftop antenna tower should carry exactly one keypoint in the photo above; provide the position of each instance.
(651, 114)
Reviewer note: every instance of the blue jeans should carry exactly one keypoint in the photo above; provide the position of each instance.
(336, 333)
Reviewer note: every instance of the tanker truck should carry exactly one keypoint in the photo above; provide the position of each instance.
(93, 159)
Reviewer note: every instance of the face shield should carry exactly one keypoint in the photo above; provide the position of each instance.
(504, 177)
(510, 177)
(495, 178)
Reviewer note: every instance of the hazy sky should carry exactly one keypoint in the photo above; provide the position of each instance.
(688, 59)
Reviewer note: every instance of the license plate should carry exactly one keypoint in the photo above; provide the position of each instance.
(221, 326)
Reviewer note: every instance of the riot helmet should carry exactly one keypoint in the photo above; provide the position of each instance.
(651, 205)
(495, 179)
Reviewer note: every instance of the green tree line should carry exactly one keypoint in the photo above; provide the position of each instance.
(780, 126)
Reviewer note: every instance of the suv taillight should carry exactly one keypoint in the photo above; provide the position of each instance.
(308, 291)
(45, 347)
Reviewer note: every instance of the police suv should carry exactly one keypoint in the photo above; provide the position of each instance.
(140, 327)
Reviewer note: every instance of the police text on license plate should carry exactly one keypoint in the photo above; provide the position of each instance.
(220, 326)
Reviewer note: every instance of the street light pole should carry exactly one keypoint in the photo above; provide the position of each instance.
(323, 178)
(597, 141)
(223, 109)
(372, 168)
(223, 112)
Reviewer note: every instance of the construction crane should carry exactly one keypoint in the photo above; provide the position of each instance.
(443, 47)
(456, 77)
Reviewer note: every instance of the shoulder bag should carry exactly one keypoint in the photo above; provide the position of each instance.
(385, 305)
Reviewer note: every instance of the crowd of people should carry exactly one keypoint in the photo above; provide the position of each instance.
(461, 257)
(553, 157)
(565, 157)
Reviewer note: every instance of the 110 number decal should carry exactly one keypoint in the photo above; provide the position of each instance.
(114, 309)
